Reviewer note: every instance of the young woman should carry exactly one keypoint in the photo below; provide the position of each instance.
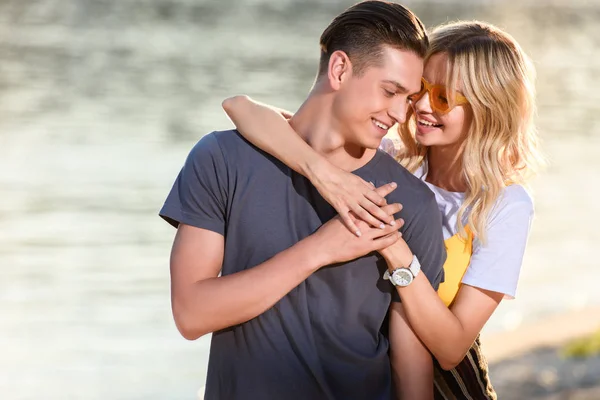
(470, 137)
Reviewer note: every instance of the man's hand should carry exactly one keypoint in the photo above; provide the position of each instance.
(352, 196)
(338, 244)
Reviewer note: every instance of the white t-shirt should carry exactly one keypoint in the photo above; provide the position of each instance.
(496, 265)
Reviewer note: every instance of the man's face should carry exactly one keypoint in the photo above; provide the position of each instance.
(368, 106)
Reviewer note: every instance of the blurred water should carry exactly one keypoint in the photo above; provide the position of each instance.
(100, 102)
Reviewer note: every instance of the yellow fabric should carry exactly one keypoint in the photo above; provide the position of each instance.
(458, 258)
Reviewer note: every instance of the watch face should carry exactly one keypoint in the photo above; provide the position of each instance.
(402, 277)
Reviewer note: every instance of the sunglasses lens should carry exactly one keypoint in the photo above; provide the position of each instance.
(439, 99)
(417, 96)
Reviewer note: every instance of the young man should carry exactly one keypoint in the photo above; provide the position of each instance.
(299, 311)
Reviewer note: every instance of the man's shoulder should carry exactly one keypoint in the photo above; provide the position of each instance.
(410, 188)
(229, 151)
(229, 137)
(225, 139)
(228, 145)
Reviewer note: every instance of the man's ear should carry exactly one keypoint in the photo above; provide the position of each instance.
(340, 69)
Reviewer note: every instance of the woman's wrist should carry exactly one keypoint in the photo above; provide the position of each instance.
(315, 168)
(397, 257)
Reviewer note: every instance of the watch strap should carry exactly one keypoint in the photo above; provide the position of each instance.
(414, 268)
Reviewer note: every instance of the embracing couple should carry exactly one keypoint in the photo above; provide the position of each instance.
(355, 248)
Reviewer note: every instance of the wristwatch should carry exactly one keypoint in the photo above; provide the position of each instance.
(405, 275)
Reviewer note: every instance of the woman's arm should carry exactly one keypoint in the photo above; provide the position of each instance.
(449, 332)
(265, 127)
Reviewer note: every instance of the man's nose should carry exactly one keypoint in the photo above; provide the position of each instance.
(398, 110)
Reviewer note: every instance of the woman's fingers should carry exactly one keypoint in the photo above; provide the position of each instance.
(367, 216)
(375, 198)
(384, 214)
(286, 114)
(372, 208)
(374, 233)
(349, 222)
(392, 209)
(374, 201)
(386, 189)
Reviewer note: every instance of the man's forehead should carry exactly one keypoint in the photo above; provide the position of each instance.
(405, 85)
(402, 68)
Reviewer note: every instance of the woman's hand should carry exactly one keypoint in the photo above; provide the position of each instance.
(338, 244)
(348, 193)
(284, 113)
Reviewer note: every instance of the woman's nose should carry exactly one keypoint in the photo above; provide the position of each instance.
(423, 104)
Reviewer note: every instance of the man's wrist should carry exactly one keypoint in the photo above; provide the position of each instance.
(315, 255)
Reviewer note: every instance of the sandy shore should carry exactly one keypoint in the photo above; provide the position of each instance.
(550, 332)
(544, 374)
(527, 363)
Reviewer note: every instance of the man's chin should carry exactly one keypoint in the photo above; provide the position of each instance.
(366, 142)
(373, 144)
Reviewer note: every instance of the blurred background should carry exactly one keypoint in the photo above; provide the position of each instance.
(100, 102)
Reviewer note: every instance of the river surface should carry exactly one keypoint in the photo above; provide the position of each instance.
(100, 101)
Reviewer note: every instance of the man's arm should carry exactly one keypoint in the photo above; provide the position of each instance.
(202, 302)
(412, 366)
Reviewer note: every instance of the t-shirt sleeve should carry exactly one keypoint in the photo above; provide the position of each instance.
(423, 235)
(199, 194)
(496, 265)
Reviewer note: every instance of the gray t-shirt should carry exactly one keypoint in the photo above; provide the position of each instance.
(326, 339)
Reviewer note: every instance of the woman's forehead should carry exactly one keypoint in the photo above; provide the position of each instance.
(436, 71)
(436, 68)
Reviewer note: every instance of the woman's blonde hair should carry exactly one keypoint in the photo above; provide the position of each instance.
(500, 148)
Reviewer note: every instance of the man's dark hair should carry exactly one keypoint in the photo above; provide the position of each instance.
(365, 28)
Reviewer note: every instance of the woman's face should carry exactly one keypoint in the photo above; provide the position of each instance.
(434, 128)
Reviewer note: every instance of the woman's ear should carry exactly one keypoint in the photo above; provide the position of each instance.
(339, 70)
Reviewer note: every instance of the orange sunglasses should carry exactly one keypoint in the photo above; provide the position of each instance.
(438, 97)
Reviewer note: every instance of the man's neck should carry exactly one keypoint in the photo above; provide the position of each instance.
(315, 123)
